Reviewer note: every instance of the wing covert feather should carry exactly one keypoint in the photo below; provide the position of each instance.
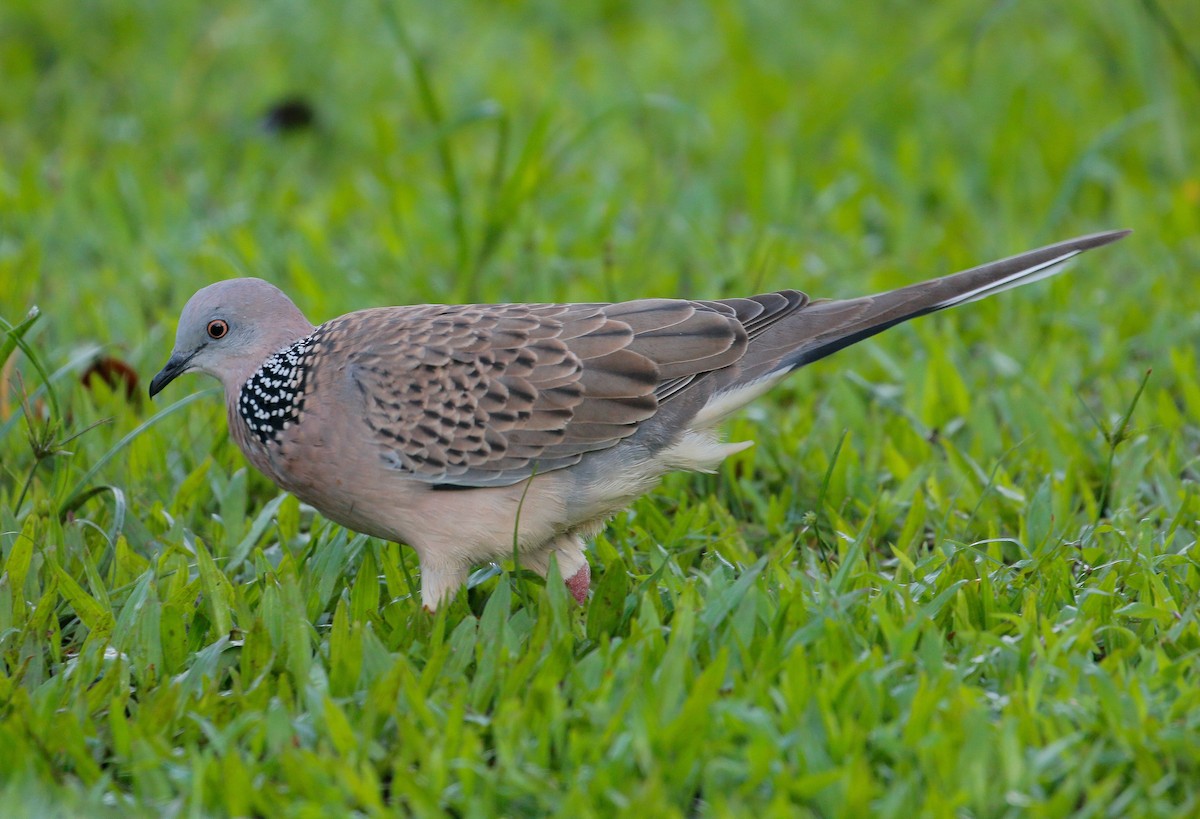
(486, 395)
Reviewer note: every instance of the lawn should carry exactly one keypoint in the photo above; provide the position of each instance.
(957, 575)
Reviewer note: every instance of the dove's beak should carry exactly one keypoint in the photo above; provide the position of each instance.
(176, 366)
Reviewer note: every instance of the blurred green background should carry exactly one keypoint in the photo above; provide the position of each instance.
(980, 586)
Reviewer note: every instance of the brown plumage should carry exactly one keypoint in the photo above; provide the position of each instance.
(548, 417)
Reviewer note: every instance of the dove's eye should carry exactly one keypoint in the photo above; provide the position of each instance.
(217, 329)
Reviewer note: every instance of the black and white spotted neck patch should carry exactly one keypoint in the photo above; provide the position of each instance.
(272, 399)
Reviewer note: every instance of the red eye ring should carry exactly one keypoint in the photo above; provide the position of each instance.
(217, 329)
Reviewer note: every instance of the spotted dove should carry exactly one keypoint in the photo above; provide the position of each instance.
(463, 429)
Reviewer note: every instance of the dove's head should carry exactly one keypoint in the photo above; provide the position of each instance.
(228, 329)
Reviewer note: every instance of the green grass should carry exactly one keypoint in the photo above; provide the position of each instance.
(957, 576)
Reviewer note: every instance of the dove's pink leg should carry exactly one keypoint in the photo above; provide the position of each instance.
(579, 582)
(567, 552)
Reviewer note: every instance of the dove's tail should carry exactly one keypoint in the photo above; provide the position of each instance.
(787, 331)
